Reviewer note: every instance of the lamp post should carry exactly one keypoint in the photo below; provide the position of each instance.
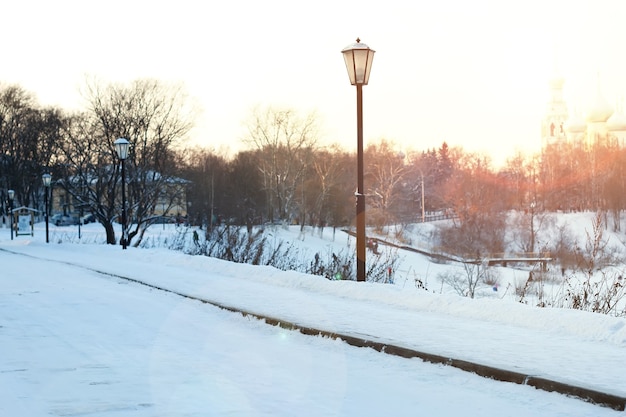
(11, 197)
(358, 58)
(532, 228)
(121, 147)
(423, 209)
(46, 179)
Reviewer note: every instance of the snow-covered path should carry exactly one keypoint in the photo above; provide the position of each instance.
(528, 344)
(75, 342)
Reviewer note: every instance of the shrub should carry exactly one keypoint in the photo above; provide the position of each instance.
(235, 244)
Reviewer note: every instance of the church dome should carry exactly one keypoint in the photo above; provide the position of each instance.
(575, 124)
(617, 122)
(600, 111)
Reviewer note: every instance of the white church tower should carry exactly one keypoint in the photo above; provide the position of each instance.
(601, 125)
(553, 123)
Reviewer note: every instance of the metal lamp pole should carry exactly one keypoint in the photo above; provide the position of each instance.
(46, 178)
(423, 210)
(532, 228)
(11, 197)
(121, 147)
(358, 58)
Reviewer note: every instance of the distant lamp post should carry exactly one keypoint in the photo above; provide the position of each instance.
(121, 147)
(358, 57)
(46, 179)
(532, 228)
(423, 209)
(11, 197)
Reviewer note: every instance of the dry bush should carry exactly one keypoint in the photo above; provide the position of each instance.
(605, 295)
(468, 281)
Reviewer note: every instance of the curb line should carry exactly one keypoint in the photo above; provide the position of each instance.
(615, 402)
(592, 396)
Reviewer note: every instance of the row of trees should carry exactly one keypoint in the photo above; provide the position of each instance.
(28, 135)
(77, 148)
(283, 174)
(577, 176)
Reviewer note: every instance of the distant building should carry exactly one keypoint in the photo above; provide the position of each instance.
(601, 124)
(171, 200)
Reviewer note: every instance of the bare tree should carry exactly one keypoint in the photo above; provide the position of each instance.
(565, 175)
(327, 172)
(474, 194)
(28, 134)
(478, 231)
(210, 191)
(247, 197)
(517, 174)
(426, 179)
(87, 171)
(530, 229)
(467, 282)
(153, 116)
(285, 142)
(597, 253)
(386, 172)
(615, 186)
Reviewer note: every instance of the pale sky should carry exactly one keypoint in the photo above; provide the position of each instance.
(472, 73)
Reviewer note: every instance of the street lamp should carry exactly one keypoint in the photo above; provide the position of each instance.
(532, 228)
(11, 197)
(46, 178)
(358, 57)
(423, 209)
(121, 147)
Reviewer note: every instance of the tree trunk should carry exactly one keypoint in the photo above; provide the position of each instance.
(110, 233)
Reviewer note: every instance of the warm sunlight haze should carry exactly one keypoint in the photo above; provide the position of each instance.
(316, 209)
(474, 74)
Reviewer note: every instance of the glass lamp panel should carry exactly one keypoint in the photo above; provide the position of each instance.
(348, 56)
(121, 147)
(360, 65)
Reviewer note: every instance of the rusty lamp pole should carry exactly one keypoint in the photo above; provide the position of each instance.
(358, 57)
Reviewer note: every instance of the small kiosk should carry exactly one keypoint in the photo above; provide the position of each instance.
(24, 220)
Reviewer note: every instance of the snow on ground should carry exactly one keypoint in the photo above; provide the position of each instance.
(74, 341)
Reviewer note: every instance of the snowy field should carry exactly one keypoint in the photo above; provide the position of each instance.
(78, 339)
